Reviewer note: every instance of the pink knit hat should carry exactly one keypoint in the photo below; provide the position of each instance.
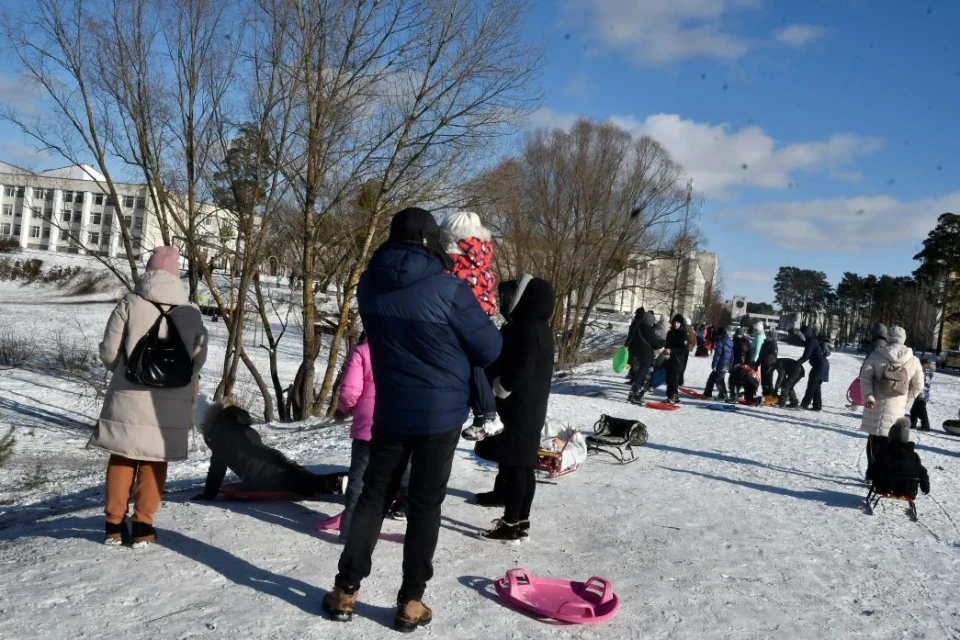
(165, 259)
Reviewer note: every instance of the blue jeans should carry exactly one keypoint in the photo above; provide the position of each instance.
(359, 458)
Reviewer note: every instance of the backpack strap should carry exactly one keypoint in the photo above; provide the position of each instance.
(163, 313)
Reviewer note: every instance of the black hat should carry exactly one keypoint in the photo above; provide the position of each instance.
(418, 226)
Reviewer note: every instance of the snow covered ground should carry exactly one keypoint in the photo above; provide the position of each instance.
(731, 525)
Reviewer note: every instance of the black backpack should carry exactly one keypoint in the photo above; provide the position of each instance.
(158, 362)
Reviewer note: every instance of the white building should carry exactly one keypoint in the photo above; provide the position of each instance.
(665, 284)
(67, 210)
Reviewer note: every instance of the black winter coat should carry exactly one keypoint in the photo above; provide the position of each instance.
(788, 369)
(525, 370)
(894, 465)
(813, 353)
(237, 446)
(741, 350)
(642, 342)
(768, 354)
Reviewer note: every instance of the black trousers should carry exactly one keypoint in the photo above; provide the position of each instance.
(918, 412)
(716, 379)
(813, 394)
(482, 401)
(789, 390)
(431, 457)
(639, 383)
(516, 484)
(676, 363)
(750, 387)
(766, 379)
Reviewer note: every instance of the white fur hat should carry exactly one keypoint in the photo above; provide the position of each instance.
(758, 326)
(896, 335)
(458, 226)
(687, 321)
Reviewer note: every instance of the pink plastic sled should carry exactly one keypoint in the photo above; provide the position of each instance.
(235, 490)
(574, 602)
(330, 524)
(663, 406)
(854, 396)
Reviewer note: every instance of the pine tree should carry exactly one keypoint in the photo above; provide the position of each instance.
(940, 268)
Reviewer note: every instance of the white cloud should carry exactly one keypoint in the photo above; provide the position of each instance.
(866, 224)
(17, 153)
(720, 159)
(658, 32)
(799, 36)
(753, 277)
(579, 86)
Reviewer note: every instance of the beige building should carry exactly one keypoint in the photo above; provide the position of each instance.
(666, 284)
(67, 210)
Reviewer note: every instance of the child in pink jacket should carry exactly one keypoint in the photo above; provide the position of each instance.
(357, 396)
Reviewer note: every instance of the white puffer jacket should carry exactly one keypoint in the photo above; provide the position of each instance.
(878, 420)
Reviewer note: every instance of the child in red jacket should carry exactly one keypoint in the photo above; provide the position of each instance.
(468, 243)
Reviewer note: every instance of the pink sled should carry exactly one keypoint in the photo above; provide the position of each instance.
(330, 524)
(587, 602)
(854, 396)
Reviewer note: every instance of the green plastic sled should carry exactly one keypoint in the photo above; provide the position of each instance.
(620, 359)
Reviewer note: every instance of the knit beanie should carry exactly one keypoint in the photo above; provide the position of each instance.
(896, 335)
(900, 431)
(461, 225)
(165, 259)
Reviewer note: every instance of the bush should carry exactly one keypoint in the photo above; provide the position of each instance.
(71, 354)
(6, 446)
(92, 282)
(9, 245)
(15, 351)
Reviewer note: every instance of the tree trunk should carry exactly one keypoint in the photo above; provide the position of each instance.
(305, 390)
(268, 414)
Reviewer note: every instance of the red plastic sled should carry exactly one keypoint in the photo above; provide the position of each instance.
(687, 391)
(663, 406)
(235, 490)
(854, 396)
(330, 524)
(574, 602)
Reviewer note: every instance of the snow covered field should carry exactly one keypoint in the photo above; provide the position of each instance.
(731, 525)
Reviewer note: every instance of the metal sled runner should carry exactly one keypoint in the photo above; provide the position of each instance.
(617, 437)
(910, 487)
(550, 463)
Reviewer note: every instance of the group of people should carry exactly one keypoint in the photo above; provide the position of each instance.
(430, 354)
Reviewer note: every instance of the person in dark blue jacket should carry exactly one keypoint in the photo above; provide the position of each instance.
(426, 332)
(722, 362)
(819, 369)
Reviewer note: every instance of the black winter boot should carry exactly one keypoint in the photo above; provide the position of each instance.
(144, 535)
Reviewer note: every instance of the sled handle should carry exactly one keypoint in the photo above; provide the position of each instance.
(514, 577)
(605, 589)
(571, 606)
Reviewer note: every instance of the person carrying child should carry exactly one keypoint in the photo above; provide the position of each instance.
(722, 362)
(469, 245)
(897, 465)
(522, 376)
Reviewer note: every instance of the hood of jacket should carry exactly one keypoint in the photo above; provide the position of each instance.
(534, 301)
(398, 265)
(771, 335)
(648, 319)
(807, 333)
(895, 353)
(161, 287)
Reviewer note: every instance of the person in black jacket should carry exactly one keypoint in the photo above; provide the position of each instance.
(677, 349)
(896, 465)
(767, 362)
(642, 342)
(741, 347)
(632, 332)
(521, 381)
(236, 445)
(789, 373)
(819, 369)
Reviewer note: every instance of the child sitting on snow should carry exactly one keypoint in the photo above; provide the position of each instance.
(521, 380)
(745, 377)
(468, 243)
(896, 464)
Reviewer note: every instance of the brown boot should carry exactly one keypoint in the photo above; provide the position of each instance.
(410, 615)
(339, 604)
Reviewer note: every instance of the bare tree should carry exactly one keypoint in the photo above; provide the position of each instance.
(580, 208)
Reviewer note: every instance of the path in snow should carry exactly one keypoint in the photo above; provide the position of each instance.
(731, 525)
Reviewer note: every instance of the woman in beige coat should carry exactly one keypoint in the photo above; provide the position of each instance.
(145, 427)
(882, 409)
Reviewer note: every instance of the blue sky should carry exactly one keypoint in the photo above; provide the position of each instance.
(842, 111)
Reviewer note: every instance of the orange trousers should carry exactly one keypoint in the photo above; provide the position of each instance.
(121, 475)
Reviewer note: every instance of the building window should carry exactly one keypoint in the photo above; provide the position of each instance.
(34, 232)
(138, 222)
(107, 219)
(78, 196)
(98, 198)
(10, 191)
(16, 214)
(48, 213)
(46, 232)
(66, 216)
(93, 238)
(38, 194)
(8, 209)
(16, 229)
(141, 203)
(5, 229)
(49, 195)
(126, 221)
(68, 196)
(21, 191)
(96, 217)
(128, 202)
